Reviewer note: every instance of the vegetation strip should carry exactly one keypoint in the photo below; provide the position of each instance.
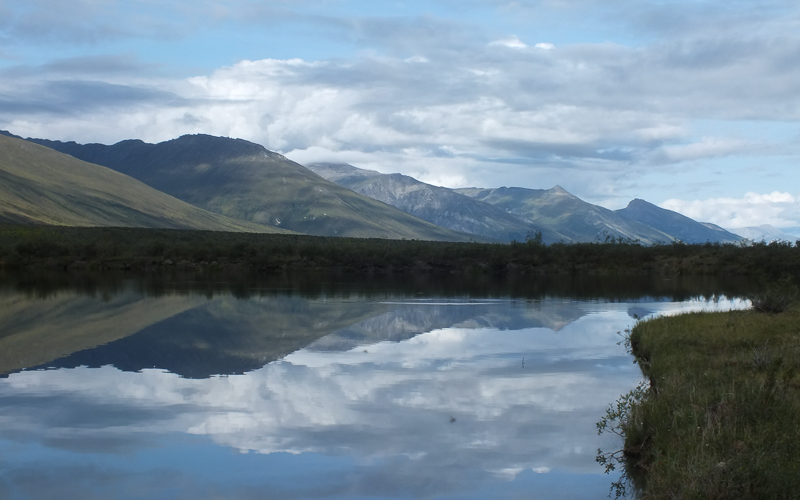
(58, 247)
(720, 416)
(109, 248)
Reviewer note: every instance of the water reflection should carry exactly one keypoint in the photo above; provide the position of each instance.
(283, 396)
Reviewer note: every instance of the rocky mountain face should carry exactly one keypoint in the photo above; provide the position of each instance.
(559, 211)
(438, 205)
(245, 181)
(676, 225)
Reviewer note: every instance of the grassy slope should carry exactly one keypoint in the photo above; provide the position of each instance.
(723, 420)
(41, 186)
(245, 181)
(561, 212)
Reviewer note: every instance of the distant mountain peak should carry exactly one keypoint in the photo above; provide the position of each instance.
(221, 145)
(640, 203)
(764, 232)
(674, 224)
(335, 172)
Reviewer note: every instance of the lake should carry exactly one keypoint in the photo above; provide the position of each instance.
(323, 388)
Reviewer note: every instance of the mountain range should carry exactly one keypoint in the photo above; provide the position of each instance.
(245, 181)
(217, 183)
(438, 205)
(504, 213)
(765, 233)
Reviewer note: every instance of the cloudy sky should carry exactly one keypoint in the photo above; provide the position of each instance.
(692, 105)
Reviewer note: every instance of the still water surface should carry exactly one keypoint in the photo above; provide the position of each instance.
(260, 391)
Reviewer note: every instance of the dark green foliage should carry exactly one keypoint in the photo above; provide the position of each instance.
(534, 238)
(775, 296)
(24, 247)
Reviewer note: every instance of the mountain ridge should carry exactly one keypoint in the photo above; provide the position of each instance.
(561, 211)
(435, 204)
(245, 181)
(255, 189)
(677, 225)
(42, 186)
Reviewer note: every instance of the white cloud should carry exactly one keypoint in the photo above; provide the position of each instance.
(442, 101)
(512, 42)
(778, 209)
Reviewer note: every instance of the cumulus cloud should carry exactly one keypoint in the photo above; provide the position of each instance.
(779, 209)
(442, 99)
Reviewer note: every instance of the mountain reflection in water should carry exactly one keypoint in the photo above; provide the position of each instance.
(320, 397)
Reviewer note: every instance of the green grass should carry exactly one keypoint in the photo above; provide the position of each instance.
(721, 418)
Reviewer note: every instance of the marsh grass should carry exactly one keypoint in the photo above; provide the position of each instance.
(721, 418)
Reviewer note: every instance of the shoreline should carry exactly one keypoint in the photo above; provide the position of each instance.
(719, 418)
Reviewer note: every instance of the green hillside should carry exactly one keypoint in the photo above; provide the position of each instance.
(42, 186)
(243, 180)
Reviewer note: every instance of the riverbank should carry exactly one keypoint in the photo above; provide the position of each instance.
(720, 419)
(49, 247)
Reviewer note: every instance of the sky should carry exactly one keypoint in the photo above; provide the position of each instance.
(691, 105)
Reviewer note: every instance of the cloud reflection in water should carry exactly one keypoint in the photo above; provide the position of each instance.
(466, 410)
